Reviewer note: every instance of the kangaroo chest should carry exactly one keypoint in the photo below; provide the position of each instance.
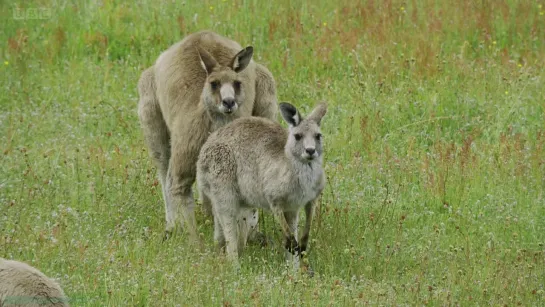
(305, 187)
(292, 188)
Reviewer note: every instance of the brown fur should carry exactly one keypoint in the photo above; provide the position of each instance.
(23, 285)
(177, 111)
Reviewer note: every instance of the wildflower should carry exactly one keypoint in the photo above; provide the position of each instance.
(211, 8)
(6, 63)
(402, 8)
(520, 65)
(494, 42)
(325, 24)
(506, 92)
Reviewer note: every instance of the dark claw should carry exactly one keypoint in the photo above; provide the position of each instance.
(292, 246)
(304, 242)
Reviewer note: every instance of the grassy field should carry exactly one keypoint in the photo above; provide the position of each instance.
(435, 151)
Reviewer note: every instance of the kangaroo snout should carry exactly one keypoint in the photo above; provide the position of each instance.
(228, 103)
(310, 151)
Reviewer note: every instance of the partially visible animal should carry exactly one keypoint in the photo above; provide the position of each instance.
(196, 86)
(256, 163)
(23, 285)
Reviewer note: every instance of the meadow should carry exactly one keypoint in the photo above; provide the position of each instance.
(434, 151)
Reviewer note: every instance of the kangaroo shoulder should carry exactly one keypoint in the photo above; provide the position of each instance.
(264, 77)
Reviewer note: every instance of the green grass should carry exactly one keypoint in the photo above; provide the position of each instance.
(435, 151)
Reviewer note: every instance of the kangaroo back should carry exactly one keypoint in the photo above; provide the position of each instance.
(21, 284)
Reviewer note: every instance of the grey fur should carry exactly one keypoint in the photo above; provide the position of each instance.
(181, 104)
(255, 163)
(23, 285)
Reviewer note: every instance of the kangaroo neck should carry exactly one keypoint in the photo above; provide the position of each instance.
(305, 170)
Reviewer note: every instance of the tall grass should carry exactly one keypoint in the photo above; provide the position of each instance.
(435, 151)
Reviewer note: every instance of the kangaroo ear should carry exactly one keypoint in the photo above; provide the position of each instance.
(290, 114)
(207, 60)
(242, 59)
(318, 112)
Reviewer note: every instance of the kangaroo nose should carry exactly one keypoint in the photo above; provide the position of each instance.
(228, 102)
(310, 151)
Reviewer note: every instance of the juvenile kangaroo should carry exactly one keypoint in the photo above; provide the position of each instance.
(255, 163)
(23, 285)
(197, 85)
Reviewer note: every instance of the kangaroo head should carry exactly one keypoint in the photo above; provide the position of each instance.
(304, 139)
(224, 90)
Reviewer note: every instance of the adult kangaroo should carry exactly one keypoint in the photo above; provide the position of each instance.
(196, 86)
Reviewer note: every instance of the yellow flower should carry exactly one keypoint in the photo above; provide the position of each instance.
(402, 8)
(539, 6)
(325, 24)
(520, 65)
(6, 63)
(211, 8)
(506, 92)
(541, 13)
(494, 42)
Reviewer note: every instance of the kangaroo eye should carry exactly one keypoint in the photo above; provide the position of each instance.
(237, 85)
(318, 136)
(297, 136)
(214, 85)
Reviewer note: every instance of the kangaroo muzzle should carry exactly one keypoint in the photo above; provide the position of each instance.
(228, 102)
